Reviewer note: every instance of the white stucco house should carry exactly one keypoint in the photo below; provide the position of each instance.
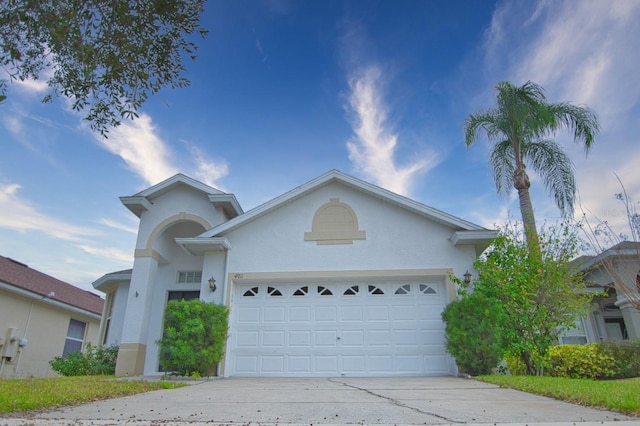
(336, 277)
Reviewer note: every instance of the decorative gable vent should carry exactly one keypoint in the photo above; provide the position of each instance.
(335, 223)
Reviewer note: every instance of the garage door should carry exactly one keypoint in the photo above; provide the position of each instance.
(333, 329)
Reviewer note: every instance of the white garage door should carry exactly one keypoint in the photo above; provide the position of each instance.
(331, 329)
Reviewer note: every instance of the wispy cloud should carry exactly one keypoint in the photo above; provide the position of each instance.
(207, 170)
(18, 214)
(109, 253)
(373, 147)
(142, 150)
(117, 225)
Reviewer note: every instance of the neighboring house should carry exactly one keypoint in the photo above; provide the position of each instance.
(41, 317)
(336, 277)
(613, 317)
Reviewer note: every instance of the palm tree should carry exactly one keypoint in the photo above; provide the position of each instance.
(519, 127)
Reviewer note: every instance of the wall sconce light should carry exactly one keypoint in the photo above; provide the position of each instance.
(467, 277)
(212, 284)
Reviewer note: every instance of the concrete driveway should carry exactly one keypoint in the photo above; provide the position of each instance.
(412, 401)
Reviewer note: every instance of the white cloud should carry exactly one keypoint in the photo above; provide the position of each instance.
(109, 253)
(142, 150)
(118, 225)
(207, 171)
(372, 148)
(18, 214)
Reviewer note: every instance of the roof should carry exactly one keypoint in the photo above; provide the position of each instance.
(142, 201)
(368, 188)
(19, 275)
(104, 282)
(622, 249)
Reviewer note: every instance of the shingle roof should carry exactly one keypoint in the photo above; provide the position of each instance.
(20, 275)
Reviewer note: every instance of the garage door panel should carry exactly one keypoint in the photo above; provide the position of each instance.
(299, 363)
(403, 312)
(327, 364)
(377, 313)
(273, 338)
(300, 338)
(300, 314)
(274, 314)
(408, 364)
(352, 338)
(354, 363)
(326, 338)
(351, 313)
(379, 338)
(248, 339)
(326, 313)
(248, 314)
(273, 364)
(246, 364)
(407, 337)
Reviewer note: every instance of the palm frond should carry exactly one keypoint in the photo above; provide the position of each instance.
(582, 121)
(502, 160)
(556, 171)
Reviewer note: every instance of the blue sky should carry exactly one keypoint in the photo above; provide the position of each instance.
(283, 91)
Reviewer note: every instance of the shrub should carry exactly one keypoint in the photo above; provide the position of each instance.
(195, 333)
(626, 355)
(473, 333)
(515, 365)
(95, 360)
(580, 362)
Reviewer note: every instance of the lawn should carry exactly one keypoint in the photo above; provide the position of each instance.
(33, 394)
(614, 395)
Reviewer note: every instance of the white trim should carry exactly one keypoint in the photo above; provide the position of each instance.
(198, 246)
(337, 176)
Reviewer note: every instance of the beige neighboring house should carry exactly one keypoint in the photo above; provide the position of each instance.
(41, 317)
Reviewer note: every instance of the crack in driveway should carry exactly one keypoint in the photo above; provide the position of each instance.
(395, 401)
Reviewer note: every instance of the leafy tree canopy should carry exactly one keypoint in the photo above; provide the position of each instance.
(106, 56)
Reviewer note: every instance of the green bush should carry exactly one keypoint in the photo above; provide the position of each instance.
(195, 333)
(473, 333)
(626, 355)
(515, 365)
(579, 362)
(95, 360)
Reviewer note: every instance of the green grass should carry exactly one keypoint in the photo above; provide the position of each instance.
(18, 395)
(614, 395)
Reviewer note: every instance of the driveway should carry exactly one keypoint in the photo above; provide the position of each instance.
(412, 401)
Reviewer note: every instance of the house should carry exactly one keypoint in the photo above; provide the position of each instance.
(614, 316)
(41, 317)
(337, 277)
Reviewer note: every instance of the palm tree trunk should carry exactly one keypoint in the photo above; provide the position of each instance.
(522, 183)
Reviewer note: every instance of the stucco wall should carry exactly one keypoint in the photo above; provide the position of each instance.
(44, 326)
(395, 239)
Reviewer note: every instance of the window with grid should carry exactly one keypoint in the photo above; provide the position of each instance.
(189, 277)
(75, 337)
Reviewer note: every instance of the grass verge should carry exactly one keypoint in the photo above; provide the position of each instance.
(614, 395)
(18, 395)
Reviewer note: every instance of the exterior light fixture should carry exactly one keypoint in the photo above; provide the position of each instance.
(467, 277)
(212, 284)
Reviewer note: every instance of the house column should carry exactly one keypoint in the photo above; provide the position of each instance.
(133, 346)
(631, 318)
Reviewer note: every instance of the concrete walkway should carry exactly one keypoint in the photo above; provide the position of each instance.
(380, 401)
